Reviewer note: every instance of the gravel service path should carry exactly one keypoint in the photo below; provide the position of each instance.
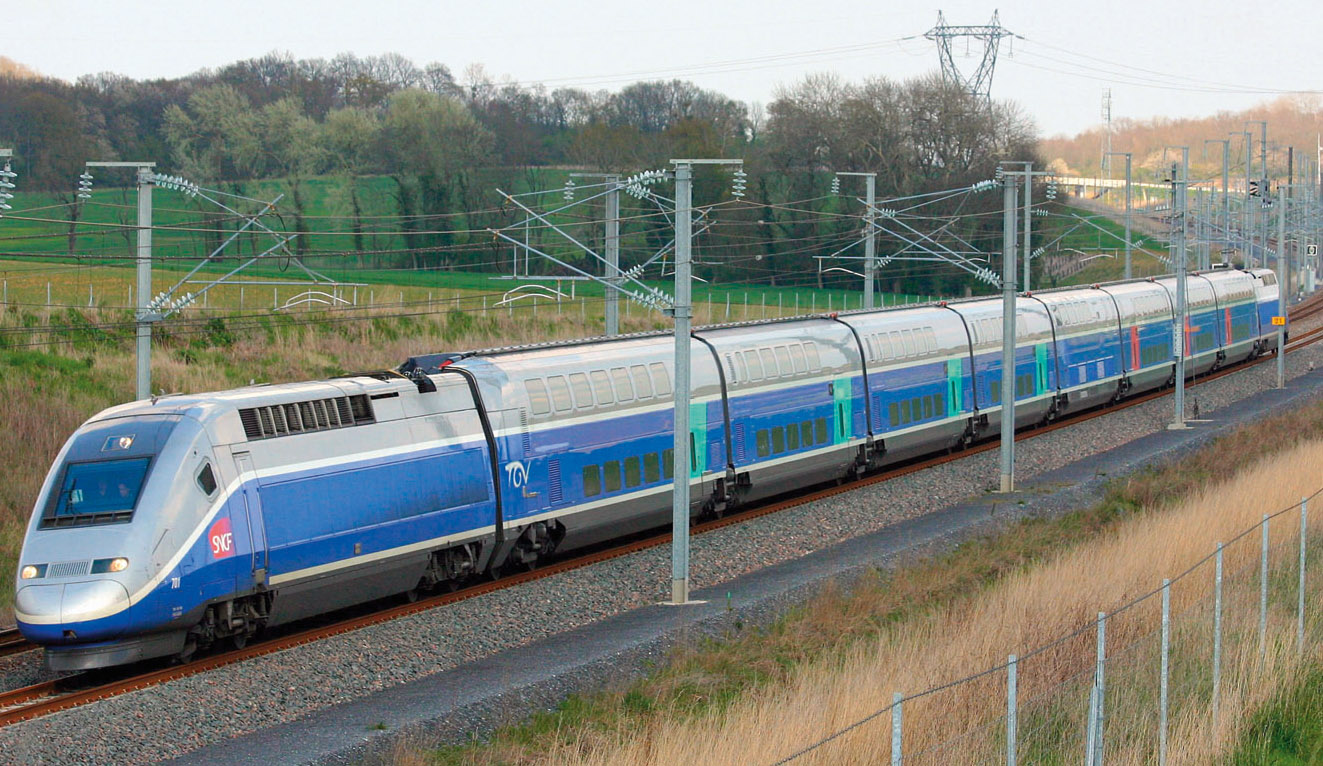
(180, 717)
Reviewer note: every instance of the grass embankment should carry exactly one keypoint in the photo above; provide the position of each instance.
(756, 696)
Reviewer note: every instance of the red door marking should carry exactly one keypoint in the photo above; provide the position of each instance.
(1134, 347)
(1228, 338)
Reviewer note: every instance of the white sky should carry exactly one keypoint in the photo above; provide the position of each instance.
(1211, 45)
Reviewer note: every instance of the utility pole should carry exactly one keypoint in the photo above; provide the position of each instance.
(1247, 212)
(682, 312)
(870, 236)
(1263, 224)
(1178, 184)
(1226, 192)
(1028, 218)
(142, 315)
(1008, 332)
(1129, 207)
(612, 249)
(1283, 290)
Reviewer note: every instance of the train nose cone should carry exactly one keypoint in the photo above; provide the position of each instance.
(46, 611)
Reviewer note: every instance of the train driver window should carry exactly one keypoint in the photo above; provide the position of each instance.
(602, 387)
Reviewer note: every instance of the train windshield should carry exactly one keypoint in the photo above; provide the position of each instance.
(97, 493)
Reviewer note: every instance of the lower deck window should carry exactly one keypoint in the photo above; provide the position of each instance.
(592, 481)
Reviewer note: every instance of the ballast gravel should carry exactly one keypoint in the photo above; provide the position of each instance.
(175, 718)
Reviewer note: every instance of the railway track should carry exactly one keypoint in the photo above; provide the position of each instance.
(12, 642)
(62, 694)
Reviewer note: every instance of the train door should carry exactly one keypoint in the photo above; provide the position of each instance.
(252, 506)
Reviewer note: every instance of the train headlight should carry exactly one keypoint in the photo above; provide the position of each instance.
(32, 572)
(117, 564)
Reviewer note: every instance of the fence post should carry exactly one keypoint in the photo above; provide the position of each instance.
(727, 307)
(896, 733)
(48, 293)
(1100, 681)
(89, 295)
(1263, 591)
(1166, 672)
(1011, 705)
(1092, 736)
(241, 296)
(1217, 635)
(1300, 588)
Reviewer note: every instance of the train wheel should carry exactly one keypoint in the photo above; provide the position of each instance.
(239, 640)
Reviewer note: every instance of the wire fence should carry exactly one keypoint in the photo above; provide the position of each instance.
(1152, 681)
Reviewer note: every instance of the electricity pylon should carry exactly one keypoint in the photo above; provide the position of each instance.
(978, 85)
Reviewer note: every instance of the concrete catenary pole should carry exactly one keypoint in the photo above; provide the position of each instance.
(680, 468)
(1178, 326)
(1283, 296)
(1008, 334)
(613, 255)
(1028, 220)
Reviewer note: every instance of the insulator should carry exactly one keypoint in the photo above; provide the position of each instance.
(86, 177)
(836, 185)
(569, 190)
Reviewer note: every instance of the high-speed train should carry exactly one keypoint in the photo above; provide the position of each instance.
(168, 525)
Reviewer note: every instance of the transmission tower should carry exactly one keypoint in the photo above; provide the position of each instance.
(979, 84)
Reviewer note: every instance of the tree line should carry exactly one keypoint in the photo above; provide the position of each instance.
(432, 134)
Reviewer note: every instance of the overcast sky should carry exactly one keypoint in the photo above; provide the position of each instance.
(1186, 57)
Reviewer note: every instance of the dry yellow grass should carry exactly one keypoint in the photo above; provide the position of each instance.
(1032, 609)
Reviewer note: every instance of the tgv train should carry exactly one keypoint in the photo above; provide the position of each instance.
(172, 524)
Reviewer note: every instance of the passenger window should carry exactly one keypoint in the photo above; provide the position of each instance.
(769, 362)
(560, 393)
(651, 468)
(778, 440)
(583, 392)
(755, 366)
(792, 436)
(592, 481)
(927, 407)
(797, 358)
(764, 443)
(611, 475)
(642, 384)
(624, 391)
(908, 336)
(739, 365)
(206, 480)
(806, 433)
(814, 361)
(668, 463)
(930, 339)
(894, 412)
(783, 360)
(820, 431)
(602, 388)
(661, 379)
(633, 474)
(537, 396)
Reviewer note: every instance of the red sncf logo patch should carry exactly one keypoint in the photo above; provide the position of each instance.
(221, 539)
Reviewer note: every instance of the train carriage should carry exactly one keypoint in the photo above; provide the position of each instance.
(174, 523)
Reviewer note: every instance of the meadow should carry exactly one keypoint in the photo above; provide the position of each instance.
(758, 695)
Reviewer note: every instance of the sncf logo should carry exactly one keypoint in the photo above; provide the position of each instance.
(221, 539)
